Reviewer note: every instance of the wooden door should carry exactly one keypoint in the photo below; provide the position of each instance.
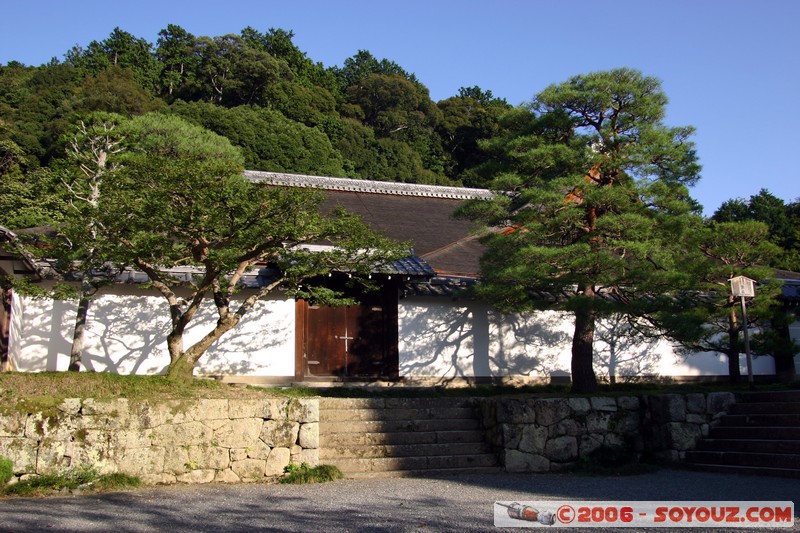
(354, 341)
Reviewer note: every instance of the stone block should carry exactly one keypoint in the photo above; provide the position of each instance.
(304, 411)
(227, 476)
(278, 459)
(515, 411)
(196, 476)
(238, 454)
(598, 421)
(208, 409)
(694, 418)
(579, 405)
(719, 402)
(192, 433)
(512, 433)
(626, 422)
(159, 478)
(249, 469)
(176, 460)
(247, 408)
(628, 403)
(561, 449)
(588, 443)
(517, 461)
(58, 426)
(22, 453)
(668, 408)
(550, 411)
(259, 450)
(682, 435)
(603, 403)
(279, 433)
(533, 439)
(70, 406)
(308, 437)
(613, 440)
(243, 432)
(13, 425)
(308, 456)
(568, 426)
(143, 461)
(696, 403)
(51, 456)
(209, 457)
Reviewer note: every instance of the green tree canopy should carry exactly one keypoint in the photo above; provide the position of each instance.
(597, 207)
(181, 200)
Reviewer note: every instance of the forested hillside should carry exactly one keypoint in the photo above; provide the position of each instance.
(368, 119)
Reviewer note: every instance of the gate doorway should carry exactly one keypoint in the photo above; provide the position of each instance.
(350, 342)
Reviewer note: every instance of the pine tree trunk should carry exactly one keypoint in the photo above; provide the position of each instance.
(583, 377)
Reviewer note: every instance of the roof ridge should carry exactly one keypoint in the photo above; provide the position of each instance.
(367, 186)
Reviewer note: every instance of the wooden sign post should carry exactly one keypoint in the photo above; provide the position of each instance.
(744, 287)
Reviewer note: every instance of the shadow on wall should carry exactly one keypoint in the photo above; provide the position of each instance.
(535, 344)
(126, 334)
(465, 341)
(129, 336)
(619, 354)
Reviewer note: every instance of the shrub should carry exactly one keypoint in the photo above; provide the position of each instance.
(305, 473)
(6, 470)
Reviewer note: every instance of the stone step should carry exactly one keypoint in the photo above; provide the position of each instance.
(764, 408)
(771, 396)
(393, 403)
(746, 470)
(392, 426)
(401, 450)
(427, 473)
(418, 463)
(762, 420)
(413, 437)
(749, 445)
(732, 432)
(400, 413)
(733, 458)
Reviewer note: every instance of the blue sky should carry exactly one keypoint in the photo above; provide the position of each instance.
(731, 68)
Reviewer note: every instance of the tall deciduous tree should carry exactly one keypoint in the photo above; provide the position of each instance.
(598, 204)
(182, 201)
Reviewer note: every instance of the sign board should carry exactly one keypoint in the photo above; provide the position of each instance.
(743, 286)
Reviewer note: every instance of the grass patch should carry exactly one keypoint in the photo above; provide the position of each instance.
(305, 473)
(42, 392)
(84, 479)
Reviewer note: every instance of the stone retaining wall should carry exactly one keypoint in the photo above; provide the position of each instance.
(551, 434)
(185, 441)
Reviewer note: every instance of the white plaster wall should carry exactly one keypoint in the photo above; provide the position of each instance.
(443, 338)
(126, 333)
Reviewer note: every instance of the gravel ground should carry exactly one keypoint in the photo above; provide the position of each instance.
(463, 504)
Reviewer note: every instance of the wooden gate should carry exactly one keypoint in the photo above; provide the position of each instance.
(348, 342)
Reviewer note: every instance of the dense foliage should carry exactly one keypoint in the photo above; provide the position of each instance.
(368, 119)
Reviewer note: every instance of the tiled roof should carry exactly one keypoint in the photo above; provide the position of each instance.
(421, 215)
(374, 187)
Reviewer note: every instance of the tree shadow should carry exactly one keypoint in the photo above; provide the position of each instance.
(448, 340)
